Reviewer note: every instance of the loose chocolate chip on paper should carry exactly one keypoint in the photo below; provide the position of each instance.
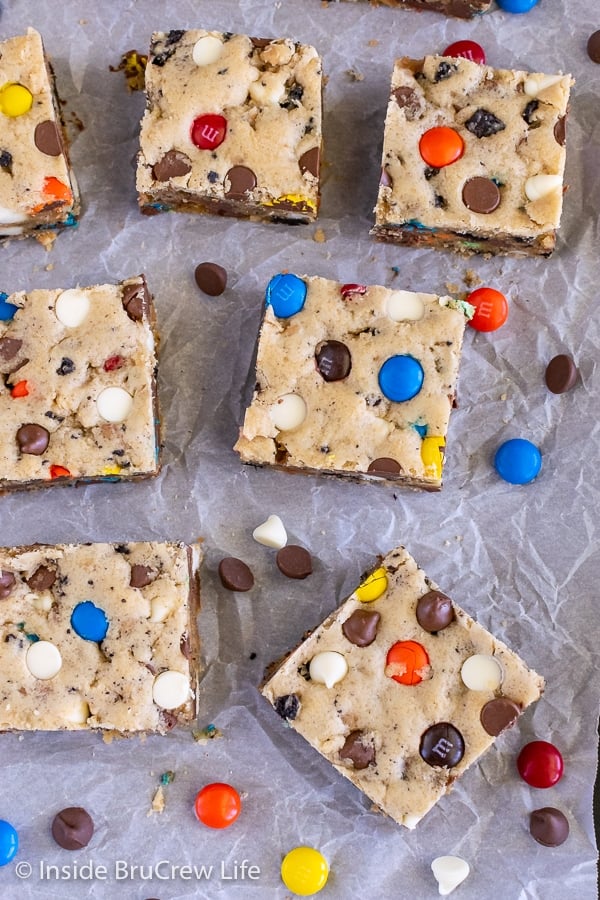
(235, 575)
(334, 360)
(434, 611)
(357, 751)
(408, 100)
(32, 439)
(211, 278)
(561, 374)
(560, 131)
(361, 627)
(47, 138)
(549, 826)
(310, 161)
(384, 465)
(173, 164)
(593, 47)
(481, 195)
(142, 575)
(241, 180)
(484, 123)
(294, 561)
(499, 714)
(42, 579)
(72, 828)
(7, 583)
(442, 745)
(287, 706)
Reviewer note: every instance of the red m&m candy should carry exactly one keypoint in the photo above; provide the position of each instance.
(441, 146)
(466, 50)
(208, 131)
(540, 764)
(217, 805)
(491, 309)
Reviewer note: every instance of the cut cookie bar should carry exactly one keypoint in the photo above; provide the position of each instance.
(232, 126)
(461, 9)
(354, 380)
(38, 193)
(78, 389)
(98, 636)
(400, 689)
(473, 158)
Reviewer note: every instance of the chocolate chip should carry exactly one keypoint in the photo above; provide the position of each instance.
(442, 745)
(72, 828)
(46, 138)
(211, 278)
(184, 645)
(168, 719)
(560, 131)
(593, 47)
(174, 36)
(9, 347)
(241, 180)
(287, 706)
(498, 715)
(260, 43)
(334, 360)
(173, 164)
(310, 161)
(409, 101)
(481, 195)
(549, 826)
(294, 561)
(142, 575)
(529, 110)
(434, 611)
(66, 367)
(361, 627)
(42, 579)
(360, 753)
(385, 179)
(32, 439)
(561, 374)
(384, 465)
(7, 583)
(135, 299)
(483, 123)
(6, 161)
(235, 575)
(444, 70)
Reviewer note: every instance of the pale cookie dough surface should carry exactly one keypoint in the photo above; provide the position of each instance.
(350, 423)
(54, 377)
(268, 93)
(392, 717)
(37, 187)
(106, 685)
(512, 125)
(461, 9)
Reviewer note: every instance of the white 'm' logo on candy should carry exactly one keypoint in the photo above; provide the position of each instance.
(209, 133)
(485, 309)
(442, 748)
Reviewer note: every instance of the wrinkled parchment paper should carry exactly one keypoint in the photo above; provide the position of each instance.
(522, 560)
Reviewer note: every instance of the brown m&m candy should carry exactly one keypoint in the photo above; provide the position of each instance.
(434, 611)
(72, 828)
(561, 374)
(294, 561)
(235, 575)
(549, 826)
(333, 360)
(442, 745)
(211, 278)
(359, 751)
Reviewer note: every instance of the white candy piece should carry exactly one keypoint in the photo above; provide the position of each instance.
(328, 668)
(539, 186)
(114, 404)
(43, 660)
(536, 83)
(8, 231)
(207, 50)
(289, 412)
(449, 872)
(402, 306)
(271, 533)
(78, 712)
(10, 217)
(170, 690)
(72, 308)
(481, 672)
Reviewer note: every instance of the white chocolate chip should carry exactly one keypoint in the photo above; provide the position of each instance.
(114, 404)
(271, 533)
(207, 50)
(536, 83)
(539, 186)
(161, 608)
(43, 660)
(170, 690)
(8, 231)
(404, 306)
(78, 713)
(10, 217)
(328, 668)
(269, 88)
(289, 412)
(72, 308)
(481, 672)
(42, 602)
(449, 872)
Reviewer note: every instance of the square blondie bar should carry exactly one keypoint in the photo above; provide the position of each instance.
(232, 126)
(400, 689)
(473, 158)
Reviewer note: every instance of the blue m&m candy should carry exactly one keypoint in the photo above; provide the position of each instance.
(286, 294)
(9, 842)
(517, 6)
(7, 310)
(89, 621)
(518, 461)
(401, 378)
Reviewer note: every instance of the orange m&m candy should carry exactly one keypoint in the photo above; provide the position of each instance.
(53, 191)
(217, 805)
(491, 309)
(441, 146)
(405, 662)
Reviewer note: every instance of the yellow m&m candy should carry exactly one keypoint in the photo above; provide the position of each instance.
(304, 871)
(432, 454)
(15, 100)
(372, 587)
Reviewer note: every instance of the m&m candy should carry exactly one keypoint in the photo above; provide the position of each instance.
(540, 764)
(518, 461)
(209, 131)
(89, 621)
(441, 146)
(217, 805)
(286, 294)
(491, 309)
(406, 662)
(466, 50)
(304, 871)
(401, 378)
(9, 842)
(517, 6)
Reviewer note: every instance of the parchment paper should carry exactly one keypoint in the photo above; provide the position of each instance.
(522, 560)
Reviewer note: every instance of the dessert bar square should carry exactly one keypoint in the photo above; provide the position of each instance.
(354, 380)
(38, 192)
(232, 126)
(473, 158)
(461, 9)
(98, 636)
(400, 689)
(78, 395)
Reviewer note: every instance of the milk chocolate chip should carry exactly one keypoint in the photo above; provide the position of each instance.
(434, 611)
(498, 715)
(72, 828)
(42, 579)
(361, 627)
(32, 439)
(142, 575)
(360, 753)
(235, 575)
(549, 826)
(47, 138)
(135, 299)
(171, 165)
(242, 180)
(7, 583)
(294, 561)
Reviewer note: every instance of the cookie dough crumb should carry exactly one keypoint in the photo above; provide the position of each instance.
(355, 75)
(158, 802)
(319, 236)
(471, 278)
(373, 43)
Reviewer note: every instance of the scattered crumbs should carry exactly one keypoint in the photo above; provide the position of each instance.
(452, 288)
(49, 267)
(167, 777)
(446, 543)
(354, 74)
(373, 43)
(396, 271)
(459, 537)
(471, 278)
(319, 236)
(325, 79)
(72, 119)
(503, 396)
(133, 64)
(207, 734)
(83, 21)
(158, 802)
